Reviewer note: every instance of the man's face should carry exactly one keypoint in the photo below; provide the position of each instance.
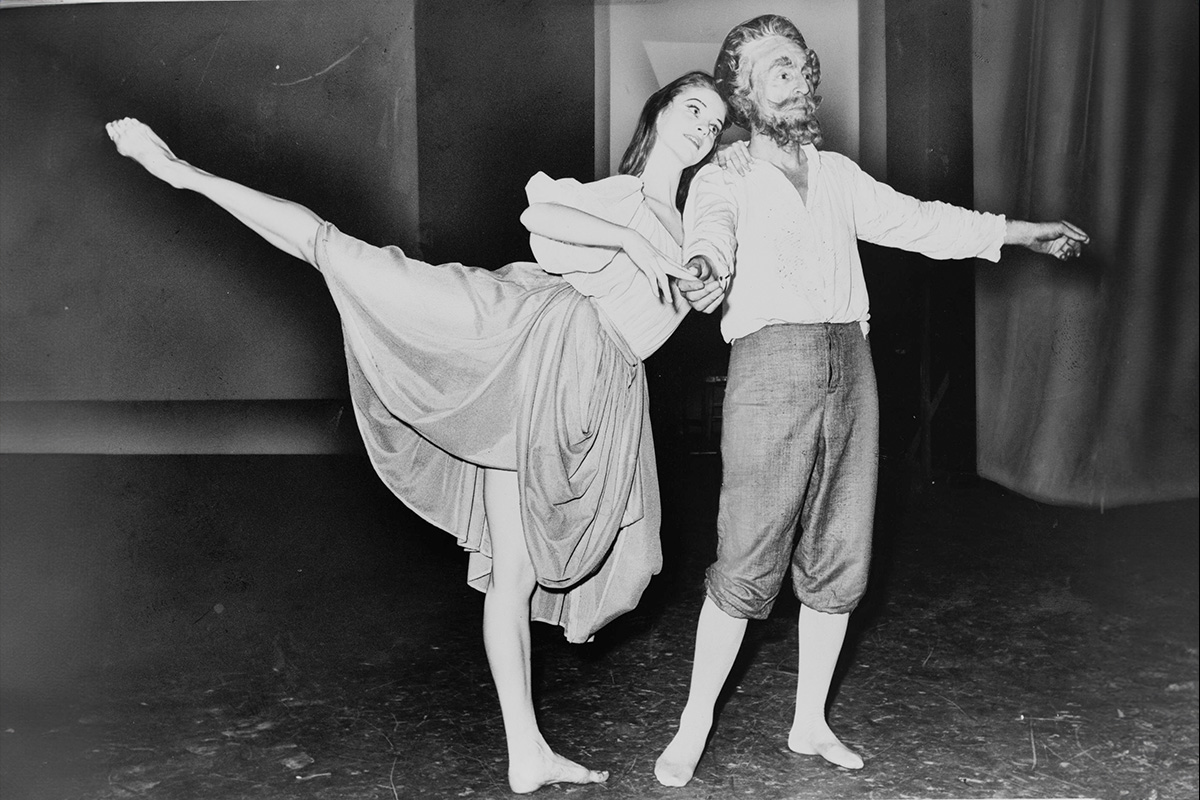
(777, 73)
(780, 89)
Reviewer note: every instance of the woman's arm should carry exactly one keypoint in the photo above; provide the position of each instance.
(567, 224)
(289, 226)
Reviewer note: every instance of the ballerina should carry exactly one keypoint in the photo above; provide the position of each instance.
(509, 407)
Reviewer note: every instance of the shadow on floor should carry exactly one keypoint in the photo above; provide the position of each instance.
(271, 627)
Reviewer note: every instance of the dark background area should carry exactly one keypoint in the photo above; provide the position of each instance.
(504, 90)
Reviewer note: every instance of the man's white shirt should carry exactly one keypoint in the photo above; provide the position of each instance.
(791, 261)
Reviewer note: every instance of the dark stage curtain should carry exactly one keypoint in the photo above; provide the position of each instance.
(1087, 371)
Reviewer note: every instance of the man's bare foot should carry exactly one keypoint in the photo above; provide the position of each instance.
(677, 763)
(537, 766)
(136, 140)
(821, 741)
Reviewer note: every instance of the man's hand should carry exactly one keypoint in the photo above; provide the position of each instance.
(704, 292)
(1059, 239)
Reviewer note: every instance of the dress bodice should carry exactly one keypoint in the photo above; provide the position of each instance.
(608, 275)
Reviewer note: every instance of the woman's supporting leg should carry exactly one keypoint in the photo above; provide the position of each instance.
(718, 639)
(531, 762)
(820, 641)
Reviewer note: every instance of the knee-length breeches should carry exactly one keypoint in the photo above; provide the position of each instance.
(800, 451)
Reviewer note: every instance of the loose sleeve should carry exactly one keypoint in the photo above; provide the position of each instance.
(887, 217)
(710, 220)
(614, 199)
(337, 252)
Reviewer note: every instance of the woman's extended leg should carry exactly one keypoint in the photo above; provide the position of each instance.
(289, 226)
(531, 762)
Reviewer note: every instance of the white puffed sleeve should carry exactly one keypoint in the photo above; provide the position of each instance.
(614, 199)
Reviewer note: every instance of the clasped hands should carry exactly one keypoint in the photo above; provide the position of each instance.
(695, 279)
(705, 290)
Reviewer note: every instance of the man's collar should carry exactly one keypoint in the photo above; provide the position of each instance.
(814, 158)
(811, 155)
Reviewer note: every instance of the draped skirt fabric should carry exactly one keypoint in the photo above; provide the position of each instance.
(454, 368)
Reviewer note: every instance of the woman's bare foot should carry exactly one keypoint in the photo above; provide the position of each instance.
(537, 766)
(677, 763)
(136, 140)
(819, 740)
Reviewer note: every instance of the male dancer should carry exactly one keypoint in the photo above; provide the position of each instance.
(800, 427)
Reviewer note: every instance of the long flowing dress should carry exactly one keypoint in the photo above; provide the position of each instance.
(535, 368)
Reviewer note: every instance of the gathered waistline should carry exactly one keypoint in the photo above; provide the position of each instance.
(613, 332)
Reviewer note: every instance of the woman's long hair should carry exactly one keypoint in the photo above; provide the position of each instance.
(646, 132)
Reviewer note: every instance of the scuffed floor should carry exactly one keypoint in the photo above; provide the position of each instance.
(279, 627)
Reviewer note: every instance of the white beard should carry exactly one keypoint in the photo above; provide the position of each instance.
(786, 127)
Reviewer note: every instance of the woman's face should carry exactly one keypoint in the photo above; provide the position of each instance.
(692, 123)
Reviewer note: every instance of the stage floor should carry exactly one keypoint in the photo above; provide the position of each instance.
(281, 627)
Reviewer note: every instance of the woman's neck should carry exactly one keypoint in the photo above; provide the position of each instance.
(660, 180)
